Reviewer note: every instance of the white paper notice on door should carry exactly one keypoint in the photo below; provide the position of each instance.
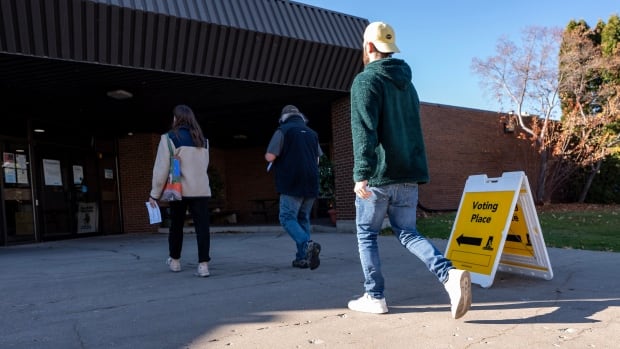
(51, 171)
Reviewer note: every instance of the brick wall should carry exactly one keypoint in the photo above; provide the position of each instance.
(460, 142)
(243, 171)
(136, 155)
(247, 179)
(343, 160)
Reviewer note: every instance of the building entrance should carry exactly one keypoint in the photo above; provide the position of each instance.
(17, 214)
(64, 191)
(67, 183)
(77, 191)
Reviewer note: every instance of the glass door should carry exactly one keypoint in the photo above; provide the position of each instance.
(68, 192)
(62, 178)
(18, 211)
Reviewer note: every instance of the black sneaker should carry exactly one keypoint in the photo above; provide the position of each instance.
(313, 254)
(300, 263)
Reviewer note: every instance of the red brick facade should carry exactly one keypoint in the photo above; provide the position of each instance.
(460, 142)
(242, 170)
(136, 156)
(343, 159)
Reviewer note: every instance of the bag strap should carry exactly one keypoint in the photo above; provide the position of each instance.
(170, 145)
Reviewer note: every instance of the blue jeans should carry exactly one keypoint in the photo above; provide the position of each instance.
(295, 218)
(399, 202)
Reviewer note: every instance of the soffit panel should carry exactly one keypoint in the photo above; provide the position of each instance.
(213, 38)
(71, 98)
(224, 58)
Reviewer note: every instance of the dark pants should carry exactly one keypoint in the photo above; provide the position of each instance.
(199, 208)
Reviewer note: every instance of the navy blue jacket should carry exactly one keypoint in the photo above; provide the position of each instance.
(296, 169)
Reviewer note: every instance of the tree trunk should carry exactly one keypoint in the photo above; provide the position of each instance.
(542, 175)
(586, 187)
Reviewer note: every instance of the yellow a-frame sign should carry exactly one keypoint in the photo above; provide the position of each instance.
(497, 226)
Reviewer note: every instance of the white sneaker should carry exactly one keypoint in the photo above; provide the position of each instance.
(367, 304)
(203, 269)
(174, 264)
(459, 290)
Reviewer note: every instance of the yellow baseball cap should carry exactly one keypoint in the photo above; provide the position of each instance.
(382, 36)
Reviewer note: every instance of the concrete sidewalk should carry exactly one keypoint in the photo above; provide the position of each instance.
(116, 292)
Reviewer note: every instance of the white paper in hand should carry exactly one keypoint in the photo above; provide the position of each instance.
(154, 213)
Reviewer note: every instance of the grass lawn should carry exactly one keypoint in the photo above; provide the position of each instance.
(577, 226)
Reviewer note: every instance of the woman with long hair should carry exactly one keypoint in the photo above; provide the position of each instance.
(192, 148)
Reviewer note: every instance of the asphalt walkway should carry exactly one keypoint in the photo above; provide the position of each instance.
(116, 292)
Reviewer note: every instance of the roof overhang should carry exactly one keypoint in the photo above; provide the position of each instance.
(236, 62)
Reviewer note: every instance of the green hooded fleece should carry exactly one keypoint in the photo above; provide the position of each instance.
(388, 146)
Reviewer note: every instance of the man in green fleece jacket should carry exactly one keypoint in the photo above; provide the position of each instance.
(389, 164)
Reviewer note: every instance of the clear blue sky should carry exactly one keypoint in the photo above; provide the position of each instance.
(440, 38)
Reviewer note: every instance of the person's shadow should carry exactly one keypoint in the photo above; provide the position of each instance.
(575, 294)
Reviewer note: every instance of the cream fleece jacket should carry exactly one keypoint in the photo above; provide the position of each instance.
(194, 164)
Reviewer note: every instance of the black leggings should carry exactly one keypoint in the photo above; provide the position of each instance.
(199, 208)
